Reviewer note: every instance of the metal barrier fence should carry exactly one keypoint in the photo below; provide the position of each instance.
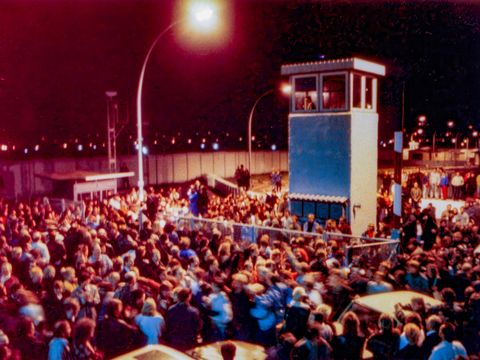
(371, 250)
(59, 206)
(372, 254)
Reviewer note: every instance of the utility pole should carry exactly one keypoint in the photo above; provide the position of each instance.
(112, 120)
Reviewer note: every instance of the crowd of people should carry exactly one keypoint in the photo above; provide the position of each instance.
(97, 285)
(431, 184)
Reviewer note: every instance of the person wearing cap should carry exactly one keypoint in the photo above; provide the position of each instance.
(150, 322)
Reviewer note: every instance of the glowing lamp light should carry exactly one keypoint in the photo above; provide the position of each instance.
(37, 147)
(274, 147)
(215, 146)
(25, 151)
(80, 147)
(286, 89)
(65, 145)
(451, 123)
(202, 15)
(420, 131)
(94, 147)
(202, 146)
(475, 133)
(144, 150)
(454, 141)
(4, 147)
(189, 141)
(422, 119)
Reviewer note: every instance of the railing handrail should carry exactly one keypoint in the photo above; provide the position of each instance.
(375, 244)
(377, 241)
(223, 181)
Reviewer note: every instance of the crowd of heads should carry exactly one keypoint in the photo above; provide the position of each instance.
(93, 283)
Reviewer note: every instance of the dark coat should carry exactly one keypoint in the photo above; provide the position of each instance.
(183, 325)
(429, 343)
(116, 337)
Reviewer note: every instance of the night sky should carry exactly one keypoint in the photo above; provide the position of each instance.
(58, 57)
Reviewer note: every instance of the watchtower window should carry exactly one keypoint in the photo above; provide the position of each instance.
(334, 92)
(305, 94)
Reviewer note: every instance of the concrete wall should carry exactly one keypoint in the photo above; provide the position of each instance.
(19, 178)
(363, 174)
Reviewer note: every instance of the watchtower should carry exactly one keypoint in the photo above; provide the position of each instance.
(333, 136)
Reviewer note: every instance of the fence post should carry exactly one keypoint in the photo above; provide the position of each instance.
(83, 209)
(254, 234)
(325, 237)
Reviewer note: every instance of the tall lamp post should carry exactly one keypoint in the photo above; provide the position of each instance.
(286, 89)
(250, 120)
(202, 14)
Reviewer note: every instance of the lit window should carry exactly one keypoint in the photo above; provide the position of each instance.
(333, 92)
(306, 94)
(357, 91)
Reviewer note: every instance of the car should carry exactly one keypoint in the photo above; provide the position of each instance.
(154, 352)
(245, 350)
(368, 308)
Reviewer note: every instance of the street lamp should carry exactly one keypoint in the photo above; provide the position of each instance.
(201, 13)
(422, 120)
(286, 89)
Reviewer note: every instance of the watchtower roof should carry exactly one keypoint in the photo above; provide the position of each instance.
(334, 65)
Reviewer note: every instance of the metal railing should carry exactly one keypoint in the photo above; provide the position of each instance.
(60, 205)
(372, 254)
(375, 249)
(220, 184)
